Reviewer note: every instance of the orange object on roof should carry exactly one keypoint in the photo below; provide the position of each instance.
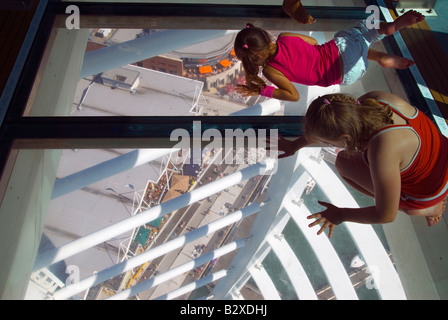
(205, 69)
(225, 63)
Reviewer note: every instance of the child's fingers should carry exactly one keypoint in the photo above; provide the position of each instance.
(330, 233)
(316, 222)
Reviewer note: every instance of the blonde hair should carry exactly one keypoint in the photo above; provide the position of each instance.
(333, 115)
(248, 43)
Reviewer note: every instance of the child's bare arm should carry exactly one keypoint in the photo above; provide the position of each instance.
(308, 39)
(385, 156)
(285, 89)
(384, 163)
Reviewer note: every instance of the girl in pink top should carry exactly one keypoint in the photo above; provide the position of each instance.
(392, 153)
(299, 58)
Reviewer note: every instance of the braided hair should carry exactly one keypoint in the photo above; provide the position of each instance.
(333, 115)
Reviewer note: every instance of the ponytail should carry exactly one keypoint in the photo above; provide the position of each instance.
(248, 43)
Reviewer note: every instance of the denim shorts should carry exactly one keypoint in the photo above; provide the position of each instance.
(353, 45)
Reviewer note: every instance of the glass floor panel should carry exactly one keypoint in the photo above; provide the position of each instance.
(85, 189)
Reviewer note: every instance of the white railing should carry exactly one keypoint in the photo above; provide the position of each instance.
(79, 245)
(151, 254)
(330, 262)
(266, 235)
(172, 273)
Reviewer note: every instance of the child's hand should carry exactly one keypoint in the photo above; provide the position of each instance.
(329, 218)
(245, 91)
(283, 145)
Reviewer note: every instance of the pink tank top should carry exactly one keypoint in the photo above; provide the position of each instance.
(307, 64)
(424, 183)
